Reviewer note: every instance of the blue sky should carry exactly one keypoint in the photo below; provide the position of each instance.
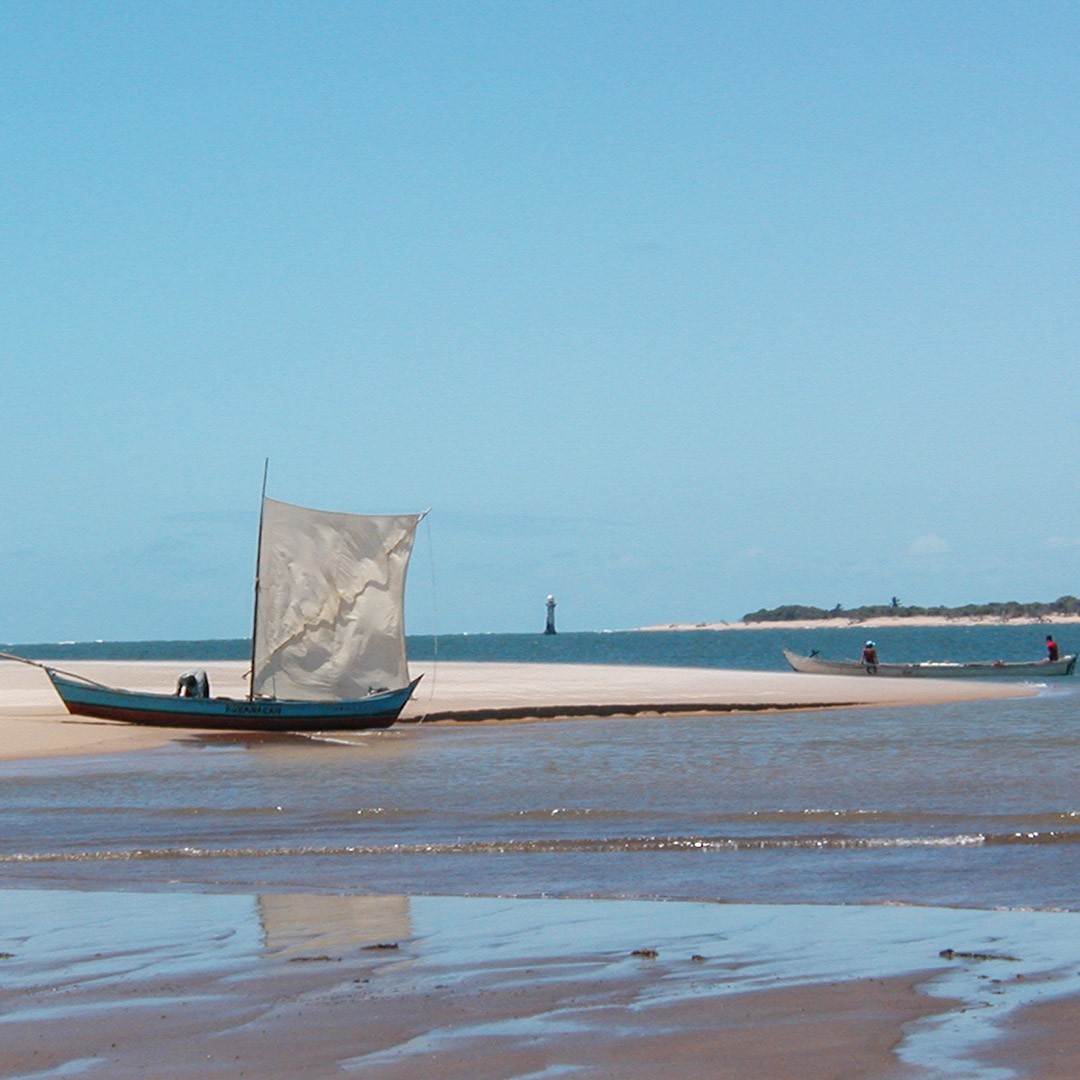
(674, 310)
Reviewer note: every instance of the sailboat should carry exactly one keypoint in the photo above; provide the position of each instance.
(328, 642)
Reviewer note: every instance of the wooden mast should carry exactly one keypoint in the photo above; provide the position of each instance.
(258, 560)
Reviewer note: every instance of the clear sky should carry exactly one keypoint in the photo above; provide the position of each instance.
(673, 309)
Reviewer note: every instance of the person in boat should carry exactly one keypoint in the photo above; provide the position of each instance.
(1051, 648)
(869, 654)
(193, 683)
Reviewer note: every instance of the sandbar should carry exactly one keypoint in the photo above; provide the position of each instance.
(33, 722)
(463, 690)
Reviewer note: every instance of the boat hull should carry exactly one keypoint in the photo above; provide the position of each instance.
(229, 714)
(1039, 669)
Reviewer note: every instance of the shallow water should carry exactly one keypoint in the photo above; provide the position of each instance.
(971, 804)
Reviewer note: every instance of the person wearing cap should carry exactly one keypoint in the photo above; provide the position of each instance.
(869, 654)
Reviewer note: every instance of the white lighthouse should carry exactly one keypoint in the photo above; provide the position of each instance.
(550, 628)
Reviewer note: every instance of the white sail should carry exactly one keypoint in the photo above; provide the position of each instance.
(329, 622)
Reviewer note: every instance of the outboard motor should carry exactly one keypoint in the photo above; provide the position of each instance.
(193, 683)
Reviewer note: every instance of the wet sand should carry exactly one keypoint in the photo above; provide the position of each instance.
(1041, 1042)
(304, 1023)
(437, 988)
(33, 722)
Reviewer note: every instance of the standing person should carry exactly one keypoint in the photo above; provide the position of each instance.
(1051, 648)
(869, 654)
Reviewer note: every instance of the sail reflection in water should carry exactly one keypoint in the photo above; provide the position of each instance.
(306, 924)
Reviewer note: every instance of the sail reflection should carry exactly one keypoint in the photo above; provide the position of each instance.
(301, 924)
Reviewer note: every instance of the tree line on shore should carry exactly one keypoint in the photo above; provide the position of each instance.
(1010, 609)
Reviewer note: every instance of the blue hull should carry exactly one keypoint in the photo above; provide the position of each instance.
(232, 714)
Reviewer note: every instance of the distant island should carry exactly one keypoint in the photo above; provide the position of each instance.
(1066, 609)
(1068, 606)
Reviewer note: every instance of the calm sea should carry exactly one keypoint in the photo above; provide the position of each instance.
(974, 804)
(757, 650)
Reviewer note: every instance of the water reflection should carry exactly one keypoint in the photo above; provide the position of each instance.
(295, 925)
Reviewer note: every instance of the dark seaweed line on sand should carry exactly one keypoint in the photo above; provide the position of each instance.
(555, 712)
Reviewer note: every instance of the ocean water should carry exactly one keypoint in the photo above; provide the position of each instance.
(972, 805)
(757, 650)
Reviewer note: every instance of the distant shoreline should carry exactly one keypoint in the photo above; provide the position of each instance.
(876, 623)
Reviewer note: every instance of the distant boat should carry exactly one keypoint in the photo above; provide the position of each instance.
(1035, 669)
(328, 643)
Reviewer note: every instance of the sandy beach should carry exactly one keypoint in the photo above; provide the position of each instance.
(35, 723)
(878, 623)
(466, 988)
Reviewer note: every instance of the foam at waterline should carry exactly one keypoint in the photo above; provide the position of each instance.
(548, 846)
